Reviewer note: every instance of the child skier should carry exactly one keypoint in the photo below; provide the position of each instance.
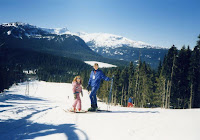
(94, 82)
(130, 102)
(77, 89)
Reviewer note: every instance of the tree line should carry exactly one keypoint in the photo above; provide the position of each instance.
(48, 67)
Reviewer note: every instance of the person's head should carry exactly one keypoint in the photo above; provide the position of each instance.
(77, 79)
(96, 66)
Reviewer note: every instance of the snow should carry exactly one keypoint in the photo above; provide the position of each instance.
(58, 31)
(110, 40)
(94, 39)
(101, 64)
(9, 32)
(38, 114)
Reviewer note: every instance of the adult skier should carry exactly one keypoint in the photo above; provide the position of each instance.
(94, 82)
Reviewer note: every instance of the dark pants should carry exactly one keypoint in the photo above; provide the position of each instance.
(93, 95)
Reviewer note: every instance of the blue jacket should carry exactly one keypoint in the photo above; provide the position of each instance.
(130, 100)
(95, 79)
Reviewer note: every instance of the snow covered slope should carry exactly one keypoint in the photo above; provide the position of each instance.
(101, 64)
(38, 114)
(58, 31)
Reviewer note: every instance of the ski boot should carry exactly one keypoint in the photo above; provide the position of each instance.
(73, 109)
(92, 108)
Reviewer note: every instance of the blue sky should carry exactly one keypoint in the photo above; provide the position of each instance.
(157, 22)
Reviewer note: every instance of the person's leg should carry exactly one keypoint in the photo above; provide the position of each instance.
(131, 105)
(93, 97)
(79, 105)
(75, 103)
(78, 102)
(128, 104)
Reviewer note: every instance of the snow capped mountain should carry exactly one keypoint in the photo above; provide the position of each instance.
(58, 31)
(19, 35)
(15, 24)
(31, 30)
(121, 48)
(105, 44)
(20, 30)
(93, 40)
(110, 40)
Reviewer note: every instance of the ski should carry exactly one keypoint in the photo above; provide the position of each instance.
(82, 111)
(99, 110)
(104, 111)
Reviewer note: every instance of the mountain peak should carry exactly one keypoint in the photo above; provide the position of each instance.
(58, 31)
(13, 24)
(17, 24)
(111, 40)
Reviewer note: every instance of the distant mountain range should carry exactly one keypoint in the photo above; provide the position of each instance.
(113, 41)
(83, 46)
(121, 48)
(52, 41)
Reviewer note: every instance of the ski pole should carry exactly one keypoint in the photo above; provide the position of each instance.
(110, 93)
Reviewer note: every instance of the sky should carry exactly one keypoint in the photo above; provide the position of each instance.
(156, 22)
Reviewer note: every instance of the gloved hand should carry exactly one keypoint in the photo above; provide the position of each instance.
(113, 77)
(75, 96)
(82, 93)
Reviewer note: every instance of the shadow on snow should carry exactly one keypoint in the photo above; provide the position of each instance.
(129, 112)
(24, 129)
(9, 96)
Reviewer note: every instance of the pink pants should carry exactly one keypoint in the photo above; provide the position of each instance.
(77, 102)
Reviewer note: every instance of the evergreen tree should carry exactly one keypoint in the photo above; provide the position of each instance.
(168, 73)
(117, 88)
(124, 86)
(136, 84)
(130, 80)
(195, 76)
(181, 95)
(160, 91)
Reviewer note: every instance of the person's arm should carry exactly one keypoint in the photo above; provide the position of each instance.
(104, 77)
(89, 82)
(74, 88)
(81, 93)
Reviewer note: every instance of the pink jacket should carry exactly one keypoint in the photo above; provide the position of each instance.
(76, 88)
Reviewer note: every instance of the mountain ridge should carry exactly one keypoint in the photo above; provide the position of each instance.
(23, 35)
